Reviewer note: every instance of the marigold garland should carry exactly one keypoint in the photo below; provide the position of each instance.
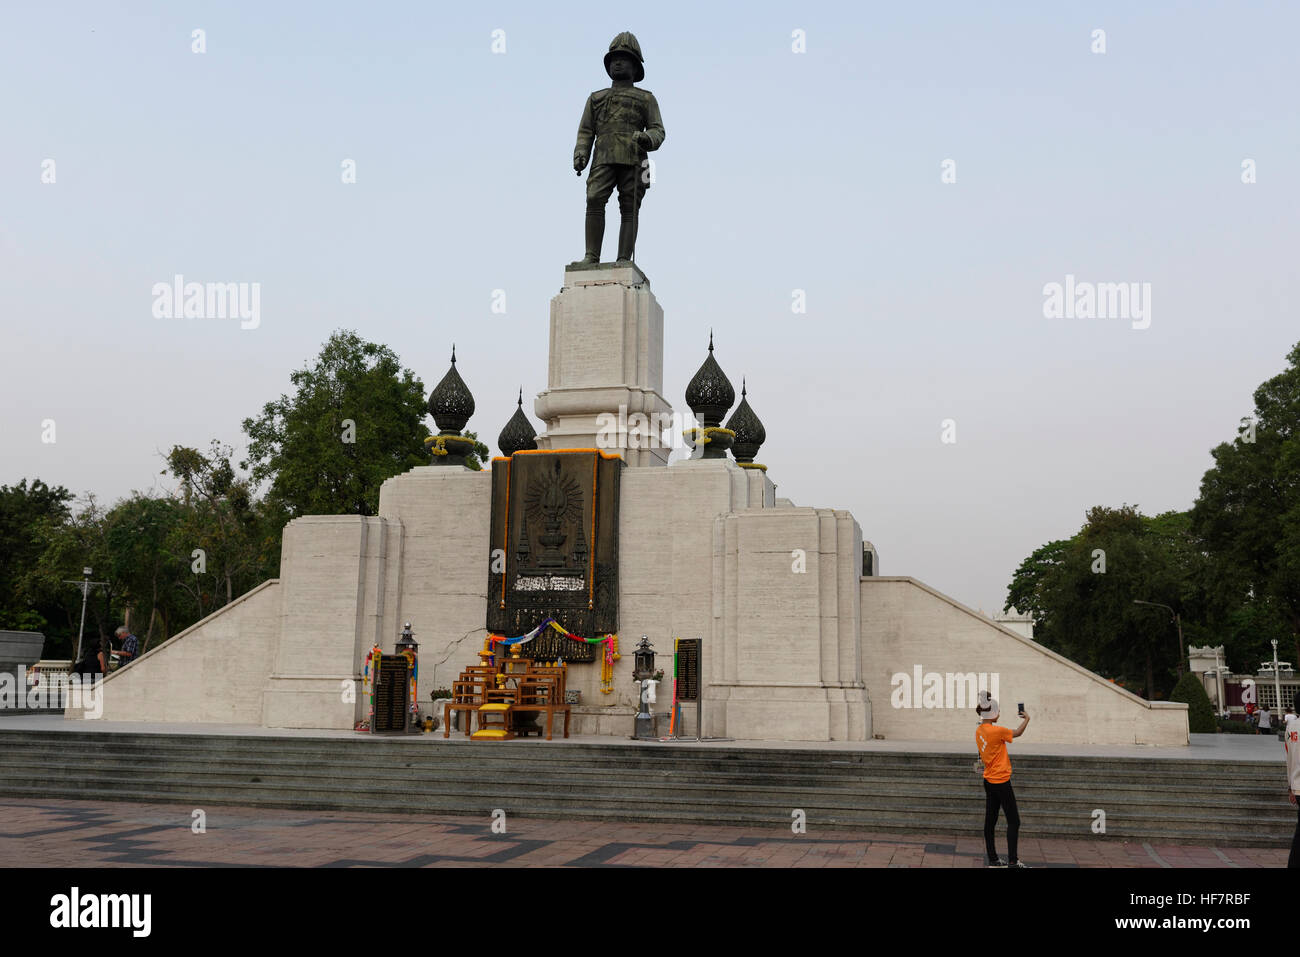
(706, 435)
(437, 444)
(368, 678)
(607, 665)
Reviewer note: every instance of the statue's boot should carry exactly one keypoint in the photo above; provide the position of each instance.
(626, 237)
(595, 234)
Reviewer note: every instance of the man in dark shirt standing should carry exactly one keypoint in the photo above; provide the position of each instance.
(130, 645)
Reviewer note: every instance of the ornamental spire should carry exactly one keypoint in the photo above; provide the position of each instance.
(710, 393)
(451, 405)
(519, 433)
(750, 433)
(450, 402)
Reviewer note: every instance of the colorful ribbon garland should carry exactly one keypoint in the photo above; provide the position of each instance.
(610, 641)
(413, 676)
(546, 622)
(370, 678)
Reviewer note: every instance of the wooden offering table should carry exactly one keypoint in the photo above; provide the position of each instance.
(510, 698)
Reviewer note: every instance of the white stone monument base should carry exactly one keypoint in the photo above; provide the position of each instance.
(797, 644)
(606, 364)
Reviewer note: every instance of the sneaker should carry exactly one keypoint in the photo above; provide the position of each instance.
(998, 863)
(1019, 864)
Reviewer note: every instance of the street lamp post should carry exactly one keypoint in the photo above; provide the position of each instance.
(1178, 622)
(1218, 674)
(1277, 684)
(85, 584)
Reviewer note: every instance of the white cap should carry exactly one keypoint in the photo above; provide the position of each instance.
(987, 707)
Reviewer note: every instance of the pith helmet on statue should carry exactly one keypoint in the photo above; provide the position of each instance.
(626, 43)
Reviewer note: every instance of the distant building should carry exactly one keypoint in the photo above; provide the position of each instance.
(1022, 623)
(1231, 691)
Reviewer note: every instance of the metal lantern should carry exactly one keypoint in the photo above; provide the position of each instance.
(645, 660)
(643, 671)
(407, 641)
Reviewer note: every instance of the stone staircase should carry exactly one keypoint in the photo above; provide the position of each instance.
(1157, 799)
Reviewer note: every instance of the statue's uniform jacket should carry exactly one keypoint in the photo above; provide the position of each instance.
(612, 118)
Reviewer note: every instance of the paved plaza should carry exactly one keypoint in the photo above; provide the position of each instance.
(62, 833)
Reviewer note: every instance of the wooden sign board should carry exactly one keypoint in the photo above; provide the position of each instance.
(392, 686)
(688, 669)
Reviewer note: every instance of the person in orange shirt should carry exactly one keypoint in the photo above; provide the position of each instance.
(992, 741)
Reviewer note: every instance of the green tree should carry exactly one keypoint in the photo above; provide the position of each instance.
(24, 511)
(1200, 713)
(354, 420)
(1029, 589)
(138, 533)
(480, 454)
(1248, 509)
(1083, 589)
(78, 542)
(225, 541)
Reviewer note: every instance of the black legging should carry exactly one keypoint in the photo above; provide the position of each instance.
(1001, 796)
(1294, 859)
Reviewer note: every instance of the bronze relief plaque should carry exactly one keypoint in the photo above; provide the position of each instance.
(554, 548)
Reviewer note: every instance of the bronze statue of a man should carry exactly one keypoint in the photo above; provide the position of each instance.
(624, 122)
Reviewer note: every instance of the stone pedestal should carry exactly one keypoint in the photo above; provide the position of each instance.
(606, 366)
(787, 610)
(334, 574)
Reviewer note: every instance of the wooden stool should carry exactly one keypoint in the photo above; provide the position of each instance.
(497, 706)
(467, 696)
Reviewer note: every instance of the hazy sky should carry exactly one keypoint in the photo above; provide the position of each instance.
(817, 171)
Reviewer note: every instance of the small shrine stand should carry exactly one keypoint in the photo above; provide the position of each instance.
(392, 683)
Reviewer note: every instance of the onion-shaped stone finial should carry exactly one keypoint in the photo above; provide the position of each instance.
(750, 433)
(450, 402)
(451, 405)
(519, 433)
(710, 393)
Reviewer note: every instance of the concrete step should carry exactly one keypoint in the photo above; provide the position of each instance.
(1236, 788)
(1157, 799)
(652, 758)
(1249, 803)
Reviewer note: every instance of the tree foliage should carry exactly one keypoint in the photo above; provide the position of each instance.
(474, 460)
(1229, 567)
(227, 539)
(1081, 592)
(1248, 511)
(354, 420)
(173, 557)
(1200, 713)
(71, 543)
(25, 511)
(1029, 593)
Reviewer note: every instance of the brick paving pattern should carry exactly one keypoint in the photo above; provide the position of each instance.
(63, 833)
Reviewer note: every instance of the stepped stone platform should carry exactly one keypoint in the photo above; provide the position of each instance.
(1219, 790)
